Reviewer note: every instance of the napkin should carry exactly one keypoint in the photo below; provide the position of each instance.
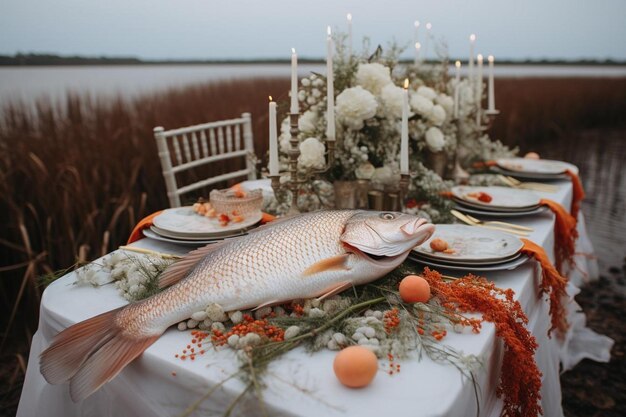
(147, 221)
(579, 193)
(552, 283)
(565, 233)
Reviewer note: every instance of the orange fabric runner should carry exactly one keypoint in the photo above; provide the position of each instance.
(552, 283)
(565, 234)
(579, 193)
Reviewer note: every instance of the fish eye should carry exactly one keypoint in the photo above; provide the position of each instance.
(387, 216)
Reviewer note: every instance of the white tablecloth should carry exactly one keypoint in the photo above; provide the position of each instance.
(303, 384)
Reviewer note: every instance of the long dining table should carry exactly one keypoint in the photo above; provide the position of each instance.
(302, 383)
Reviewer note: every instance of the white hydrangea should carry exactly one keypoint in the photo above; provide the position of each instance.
(384, 176)
(312, 154)
(306, 82)
(307, 122)
(427, 92)
(446, 102)
(354, 106)
(434, 139)
(373, 77)
(437, 115)
(365, 171)
(392, 97)
(421, 104)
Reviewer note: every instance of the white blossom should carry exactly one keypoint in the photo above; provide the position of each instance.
(446, 102)
(312, 154)
(392, 98)
(307, 121)
(306, 82)
(427, 92)
(373, 77)
(421, 104)
(354, 106)
(434, 139)
(437, 115)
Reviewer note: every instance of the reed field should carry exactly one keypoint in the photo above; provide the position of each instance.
(76, 177)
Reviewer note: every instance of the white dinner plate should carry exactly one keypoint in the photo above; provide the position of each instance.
(471, 243)
(502, 197)
(506, 266)
(203, 238)
(420, 255)
(535, 166)
(498, 209)
(185, 222)
(489, 213)
(152, 235)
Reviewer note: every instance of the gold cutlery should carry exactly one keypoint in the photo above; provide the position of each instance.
(536, 186)
(466, 220)
(498, 223)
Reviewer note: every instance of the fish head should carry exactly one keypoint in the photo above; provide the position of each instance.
(385, 234)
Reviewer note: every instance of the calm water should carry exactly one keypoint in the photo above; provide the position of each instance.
(30, 83)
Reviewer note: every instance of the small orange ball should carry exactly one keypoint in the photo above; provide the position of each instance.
(355, 366)
(414, 289)
(532, 155)
(438, 245)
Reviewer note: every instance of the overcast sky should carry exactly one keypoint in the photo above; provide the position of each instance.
(210, 29)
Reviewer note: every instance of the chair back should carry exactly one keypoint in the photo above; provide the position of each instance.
(194, 146)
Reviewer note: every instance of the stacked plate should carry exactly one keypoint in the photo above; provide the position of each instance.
(182, 225)
(471, 249)
(536, 169)
(503, 201)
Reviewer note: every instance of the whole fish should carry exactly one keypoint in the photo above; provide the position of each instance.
(309, 255)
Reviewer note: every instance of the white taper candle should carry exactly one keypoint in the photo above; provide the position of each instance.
(294, 109)
(404, 136)
(479, 88)
(470, 63)
(330, 88)
(429, 26)
(349, 17)
(457, 80)
(491, 104)
(273, 164)
(416, 24)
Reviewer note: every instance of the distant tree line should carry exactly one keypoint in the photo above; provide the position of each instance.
(52, 59)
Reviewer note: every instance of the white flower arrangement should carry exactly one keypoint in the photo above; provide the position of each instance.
(312, 154)
(354, 106)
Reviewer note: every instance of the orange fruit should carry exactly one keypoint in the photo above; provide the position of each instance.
(355, 366)
(414, 289)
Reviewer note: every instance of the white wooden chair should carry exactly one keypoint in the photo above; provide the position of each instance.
(203, 144)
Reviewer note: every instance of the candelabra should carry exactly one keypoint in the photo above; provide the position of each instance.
(296, 179)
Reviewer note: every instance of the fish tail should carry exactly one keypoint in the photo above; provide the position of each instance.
(90, 353)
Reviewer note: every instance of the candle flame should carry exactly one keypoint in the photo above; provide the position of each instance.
(480, 57)
(417, 23)
(271, 98)
(490, 58)
(472, 37)
(328, 30)
(418, 45)
(349, 16)
(293, 50)
(429, 26)
(457, 64)
(406, 83)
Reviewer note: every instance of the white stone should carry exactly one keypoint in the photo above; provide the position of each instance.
(232, 340)
(332, 345)
(358, 336)
(191, 323)
(369, 332)
(218, 326)
(291, 332)
(316, 313)
(216, 313)
(262, 312)
(340, 339)
(182, 326)
(199, 315)
(235, 316)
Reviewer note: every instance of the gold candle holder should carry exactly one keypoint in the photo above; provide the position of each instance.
(296, 181)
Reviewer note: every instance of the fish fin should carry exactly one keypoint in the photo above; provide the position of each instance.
(271, 303)
(329, 264)
(335, 289)
(91, 353)
(178, 270)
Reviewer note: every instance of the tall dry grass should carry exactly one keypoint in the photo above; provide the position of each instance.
(76, 177)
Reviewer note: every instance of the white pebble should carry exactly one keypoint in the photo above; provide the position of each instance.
(364, 341)
(369, 313)
(216, 313)
(203, 326)
(374, 341)
(182, 326)
(263, 312)
(315, 302)
(358, 336)
(191, 323)
(232, 340)
(369, 332)
(235, 316)
(207, 323)
(373, 348)
(332, 345)
(279, 311)
(371, 320)
(291, 332)
(340, 339)
(362, 329)
(218, 326)
(316, 313)
(199, 315)
(253, 339)
(458, 328)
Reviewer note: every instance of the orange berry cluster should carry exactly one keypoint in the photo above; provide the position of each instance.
(195, 347)
(439, 334)
(391, 320)
(393, 367)
(250, 325)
